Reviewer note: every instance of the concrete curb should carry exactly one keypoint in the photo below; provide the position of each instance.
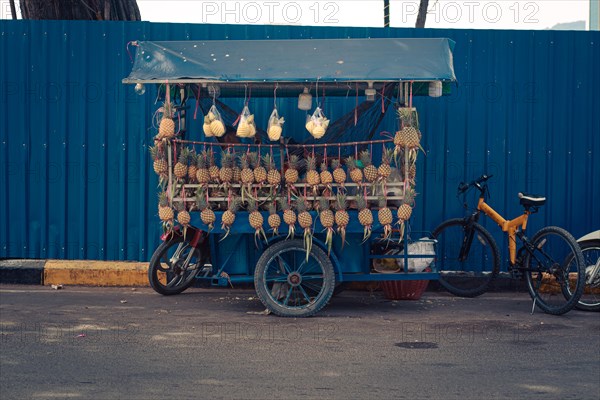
(74, 272)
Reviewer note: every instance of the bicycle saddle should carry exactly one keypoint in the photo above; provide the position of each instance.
(532, 200)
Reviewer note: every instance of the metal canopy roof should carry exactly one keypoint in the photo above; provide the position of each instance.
(293, 61)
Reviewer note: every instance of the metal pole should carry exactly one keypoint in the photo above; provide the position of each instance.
(386, 13)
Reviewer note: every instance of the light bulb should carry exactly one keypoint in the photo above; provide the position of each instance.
(140, 88)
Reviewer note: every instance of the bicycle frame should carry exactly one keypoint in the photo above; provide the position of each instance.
(509, 226)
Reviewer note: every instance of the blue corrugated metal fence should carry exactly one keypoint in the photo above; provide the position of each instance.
(77, 182)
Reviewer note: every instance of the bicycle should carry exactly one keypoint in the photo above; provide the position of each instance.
(551, 260)
(590, 248)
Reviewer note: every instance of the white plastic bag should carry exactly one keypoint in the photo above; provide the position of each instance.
(275, 126)
(423, 246)
(317, 124)
(246, 127)
(213, 123)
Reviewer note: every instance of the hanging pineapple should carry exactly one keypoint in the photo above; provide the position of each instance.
(160, 165)
(193, 166)
(313, 179)
(247, 175)
(228, 217)
(213, 123)
(409, 167)
(237, 172)
(183, 216)
(226, 171)
(356, 174)
(405, 209)
(166, 128)
(256, 220)
(385, 170)
(326, 177)
(274, 220)
(260, 173)
(369, 170)
(165, 212)
(206, 127)
(291, 174)
(305, 220)
(273, 174)
(327, 219)
(365, 216)
(385, 217)
(202, 173)
(181, 168)
(207, 215)
(342, 219)
(409, 136)
(289, 217)
(339, 175)
(213, 170)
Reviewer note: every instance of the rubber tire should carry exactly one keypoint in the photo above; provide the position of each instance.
(580, 305)
(262, 290)
(580, 278)
(495, 255)
(155, 262)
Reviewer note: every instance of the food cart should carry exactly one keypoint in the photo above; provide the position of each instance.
(295, 208)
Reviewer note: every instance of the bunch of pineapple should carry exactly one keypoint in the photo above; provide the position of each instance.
(213, 124)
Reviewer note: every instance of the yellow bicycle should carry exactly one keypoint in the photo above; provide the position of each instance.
(468, 258)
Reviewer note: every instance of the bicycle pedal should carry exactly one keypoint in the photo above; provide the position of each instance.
(517, 274)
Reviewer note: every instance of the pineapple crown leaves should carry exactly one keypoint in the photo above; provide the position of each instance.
(255, 160)
(387, 156)
(180, 206)
(283, 204)
(361, 202)
(193, 157)
(184, 155)
(201, 159)
(268, 161)
(227, 160)
(340, 202)
(163, 201)
(324, 204)
(210, 157)
(301, 205)
(272, 207)
(311, 163)
(252, 205)
(351, 163)
(335, 163)
(365, 157)
(201, 202)
(324, 166)
(294, 161)
(382, 202)
(409, 196)
(244, 161)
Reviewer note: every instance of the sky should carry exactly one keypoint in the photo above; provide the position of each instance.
(475, 14)
(482, 14)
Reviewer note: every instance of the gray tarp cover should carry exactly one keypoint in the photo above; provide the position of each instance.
(295, 60)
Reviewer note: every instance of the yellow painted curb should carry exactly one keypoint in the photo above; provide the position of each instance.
(95, 273)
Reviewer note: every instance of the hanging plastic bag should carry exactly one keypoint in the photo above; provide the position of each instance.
(317, 124)
(246, 127)
(275, 126)
(213, 123)
(422, 247)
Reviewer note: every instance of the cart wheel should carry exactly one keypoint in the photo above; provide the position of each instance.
(289, 285)
(172, 268)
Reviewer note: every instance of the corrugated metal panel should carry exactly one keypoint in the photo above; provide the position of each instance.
(77, 180)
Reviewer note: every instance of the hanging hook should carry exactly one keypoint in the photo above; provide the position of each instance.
(275, 95)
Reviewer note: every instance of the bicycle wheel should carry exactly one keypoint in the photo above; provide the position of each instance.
(590, 299)
(552, 260)
(288, 284)
(173, 266)
(467, 257)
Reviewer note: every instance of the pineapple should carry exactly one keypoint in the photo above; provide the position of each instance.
(206, 127)
(206, 214)
(291, 174)
(228, 217)
(274, 219)
(289, 217)
(326, 177)
(213, 170)
(313, 179)
(247, 175)
(305, 220)
(405, 209)
(183, 216)
(165, 212)
(327, 220)
(202, 174)
(181, 168)
(260, 173)
(339, 175)
(341, 216)
(193, 168)
(409, 174)
(256, 220)
(237, 173)
(273, 175)
(409, 136)
(356, 174)
(160, 163)
(385, 170)
(217, 128)
(226, 171)
(369, 171)
(365, 216)
(166, 128)
(385, 217)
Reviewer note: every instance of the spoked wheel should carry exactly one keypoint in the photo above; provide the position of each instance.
(590, 299)
(288, 284)
(173, 266)
(554, 270)
(467, 257)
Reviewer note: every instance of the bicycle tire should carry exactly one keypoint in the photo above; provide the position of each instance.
(273, 280)
(157, 273)
(548, 275)
(471, 277)
(590, 299)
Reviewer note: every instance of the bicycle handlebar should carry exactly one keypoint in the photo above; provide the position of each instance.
(463, 187)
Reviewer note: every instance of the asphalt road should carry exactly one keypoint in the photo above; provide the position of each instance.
(119, 343)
